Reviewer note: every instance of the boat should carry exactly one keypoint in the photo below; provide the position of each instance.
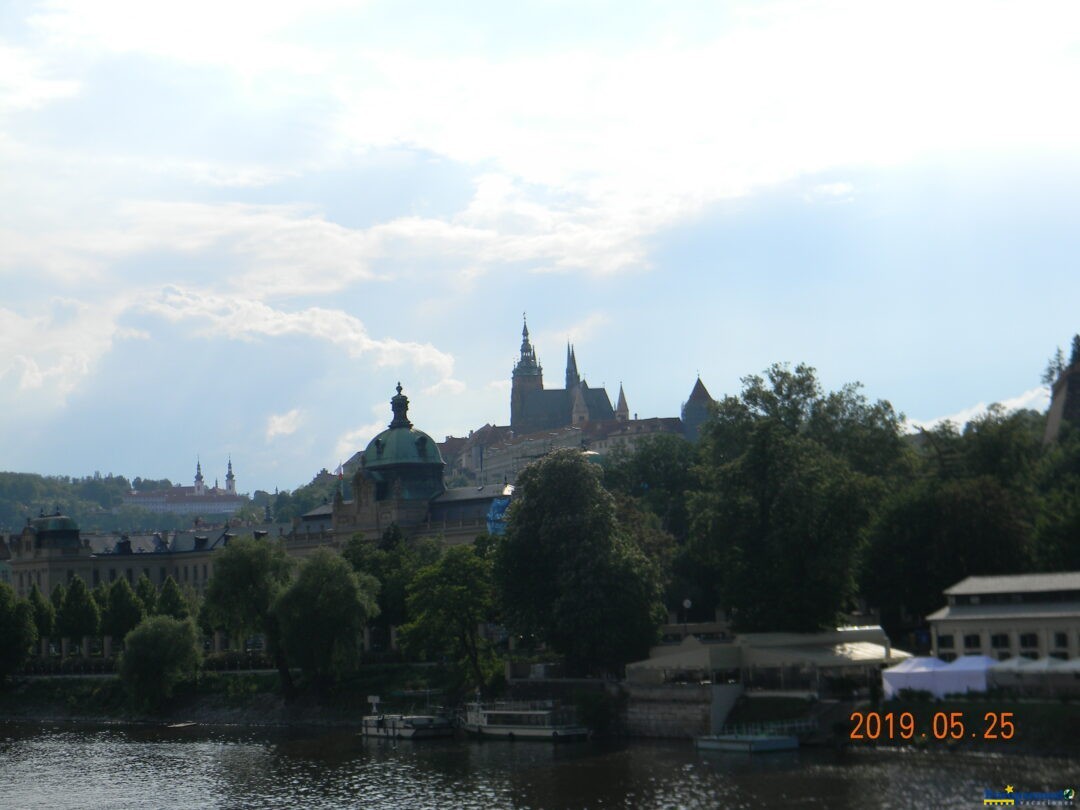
(406, 726)
(747, 743)
(524, 720)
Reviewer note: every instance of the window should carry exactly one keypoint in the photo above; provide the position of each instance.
(945, 642)
(999, 641)
(972, 641)
(1059, 655)
(112, 575)
(948, 657)
(1029, 640)
(97, 577)
(204, 571)
(1061, 640)
(1004, 656)
(161, 576)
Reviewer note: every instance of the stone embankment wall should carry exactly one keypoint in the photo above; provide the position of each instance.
(673, 710)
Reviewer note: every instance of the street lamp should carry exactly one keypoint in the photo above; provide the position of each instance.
(687, 604)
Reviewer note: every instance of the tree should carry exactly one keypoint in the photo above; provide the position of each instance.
(1054, 366)
(44, 613)
(790, 476)
(57, 596)
(394, 562)
(565, 573)
(448, 600)
(658, 473)
(123, 610)
(147, 593)
(322, 615)
(171, 601)
(1074, 355)
(17, 631)
(158, 654)
(249, 575)
(79, 615)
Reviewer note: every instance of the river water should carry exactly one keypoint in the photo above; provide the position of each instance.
(116, 767)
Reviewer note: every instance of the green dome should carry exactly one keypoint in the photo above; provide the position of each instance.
(55, 523)
(403, 462)
(401, 446)
(401, 443)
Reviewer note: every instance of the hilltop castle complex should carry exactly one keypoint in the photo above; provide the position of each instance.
(543, 419)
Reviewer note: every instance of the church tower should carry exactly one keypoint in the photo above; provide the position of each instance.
(200, 488)
(230, 480)
(528, 376)
(622, 410)
(573, 379)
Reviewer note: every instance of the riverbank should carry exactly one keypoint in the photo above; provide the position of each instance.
(235, 698)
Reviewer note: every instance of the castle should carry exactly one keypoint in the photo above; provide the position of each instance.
(544, 419)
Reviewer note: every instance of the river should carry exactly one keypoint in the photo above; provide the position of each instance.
(117, 767)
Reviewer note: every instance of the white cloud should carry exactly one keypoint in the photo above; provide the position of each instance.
(834, 192)
(25, 83)
(447, 385)
(245, 319)
(1037, 399)
(355, 440)
(283, 424)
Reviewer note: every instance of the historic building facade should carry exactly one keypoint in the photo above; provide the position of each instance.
(194, 500)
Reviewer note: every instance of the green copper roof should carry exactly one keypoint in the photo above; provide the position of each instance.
(55, 523)
(401, 443)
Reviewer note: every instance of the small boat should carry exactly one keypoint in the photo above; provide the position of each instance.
(524, 720)
(406, 726)
(747, 743)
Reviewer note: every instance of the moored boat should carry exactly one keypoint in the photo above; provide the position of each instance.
(747, 743)
(406, 726)
(525, 720)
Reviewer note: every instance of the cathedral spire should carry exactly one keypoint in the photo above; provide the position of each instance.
(572, 376)
(526, 365)
(230, 479)
(622, 411)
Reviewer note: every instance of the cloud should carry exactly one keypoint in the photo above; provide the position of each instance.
(1037, 399)
(246, 319)
(46, 356)
(355, 440)
(25, 83)
(832, 192)
(447, 385)
(283, 424)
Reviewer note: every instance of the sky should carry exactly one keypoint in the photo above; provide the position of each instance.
(228, 229)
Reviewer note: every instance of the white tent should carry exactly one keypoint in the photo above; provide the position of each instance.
(966, 674)
(914, 673)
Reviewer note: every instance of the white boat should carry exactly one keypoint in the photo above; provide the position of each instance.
(522, 720)
(747, 743)
(406, 726)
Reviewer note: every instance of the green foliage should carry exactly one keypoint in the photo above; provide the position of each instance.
(44, 613)
(17, 631)
(171, 601)
(57, 596)
(148, 595)
(93, 501)
(288, 505)
(394, 562)
(448, 600)
(123, 610)
(158, 654)
(79, 615)
(658, 473)
(249, 575)
(790, 479)
(100, 593)
(322, 614)
(565, 573)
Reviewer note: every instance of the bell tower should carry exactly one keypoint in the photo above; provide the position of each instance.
(528, 376)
